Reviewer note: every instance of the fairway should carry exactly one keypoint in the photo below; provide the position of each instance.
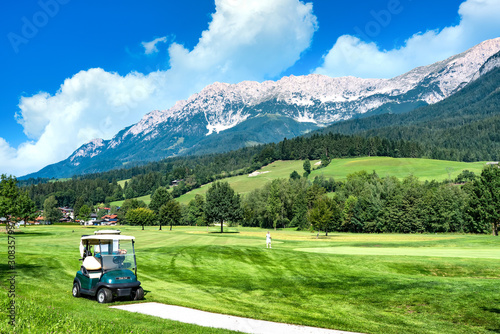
(474, 253)
(368, 283)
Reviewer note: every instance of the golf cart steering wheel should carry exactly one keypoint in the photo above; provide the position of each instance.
(118, 259)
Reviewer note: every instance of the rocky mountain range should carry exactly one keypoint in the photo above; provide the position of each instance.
(223, 116)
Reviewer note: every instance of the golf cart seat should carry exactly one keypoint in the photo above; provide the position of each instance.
(91, 263)
(91, 267)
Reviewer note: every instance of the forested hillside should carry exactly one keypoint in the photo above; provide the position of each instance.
(198, 170)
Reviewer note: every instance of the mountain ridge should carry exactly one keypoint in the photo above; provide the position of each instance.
(314, 99)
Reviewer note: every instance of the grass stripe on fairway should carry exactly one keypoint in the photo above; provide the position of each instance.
(408, 251)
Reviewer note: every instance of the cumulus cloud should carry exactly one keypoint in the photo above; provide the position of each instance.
(91, 104)
(150, 47)
(245, 40)
(352, 56)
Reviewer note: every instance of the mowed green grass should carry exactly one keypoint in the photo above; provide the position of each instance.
(448, 285)
(433, 252)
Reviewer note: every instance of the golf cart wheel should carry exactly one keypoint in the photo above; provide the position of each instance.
(76, 289)
(138, 294)
(104, 295)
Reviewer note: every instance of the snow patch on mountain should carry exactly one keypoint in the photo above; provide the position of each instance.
(88, 150)
(231, 119)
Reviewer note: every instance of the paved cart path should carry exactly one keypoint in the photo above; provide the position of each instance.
(208, 319)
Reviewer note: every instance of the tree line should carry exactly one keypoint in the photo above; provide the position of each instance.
(199, 170)
(366, 203)
(220, 205)
(363, 203)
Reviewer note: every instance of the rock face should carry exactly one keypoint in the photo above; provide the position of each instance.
(291, 106)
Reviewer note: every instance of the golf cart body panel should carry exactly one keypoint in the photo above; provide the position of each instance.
(109, 263)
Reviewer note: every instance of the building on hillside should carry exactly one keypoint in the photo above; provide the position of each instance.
(175, 183)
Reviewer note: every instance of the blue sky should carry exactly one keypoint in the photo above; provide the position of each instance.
(75, 70)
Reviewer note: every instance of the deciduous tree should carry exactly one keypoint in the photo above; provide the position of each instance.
(274, 206)
(196, 211)
(222, 204)
(84, 213)
(51, 212)
(141, 216)
(170, 213)
(307, 168)
(485, 198)
(321, 214)
(8, 195)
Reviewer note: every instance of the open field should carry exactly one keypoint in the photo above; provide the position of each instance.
(389, 283)
(146, 199)
(424, 169)
(122, 182)
(244, 184)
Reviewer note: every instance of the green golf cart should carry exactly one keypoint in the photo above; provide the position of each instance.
(109, 268)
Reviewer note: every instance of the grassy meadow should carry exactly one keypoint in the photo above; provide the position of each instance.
(388, 283)
(146, 199)
(424, 169)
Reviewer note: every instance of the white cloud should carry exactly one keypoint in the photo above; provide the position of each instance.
(351, 56)
(150, 47)
(246, 40)
(91, 104)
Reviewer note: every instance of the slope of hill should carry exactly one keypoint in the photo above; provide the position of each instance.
(196, 125)
(424, 169)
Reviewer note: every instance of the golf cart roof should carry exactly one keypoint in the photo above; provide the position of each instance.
(94, 239)
(108, 232)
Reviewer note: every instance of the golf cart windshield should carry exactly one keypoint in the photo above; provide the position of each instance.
(115, 254)
(112, 251)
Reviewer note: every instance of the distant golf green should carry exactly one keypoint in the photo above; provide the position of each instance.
(475, 253)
